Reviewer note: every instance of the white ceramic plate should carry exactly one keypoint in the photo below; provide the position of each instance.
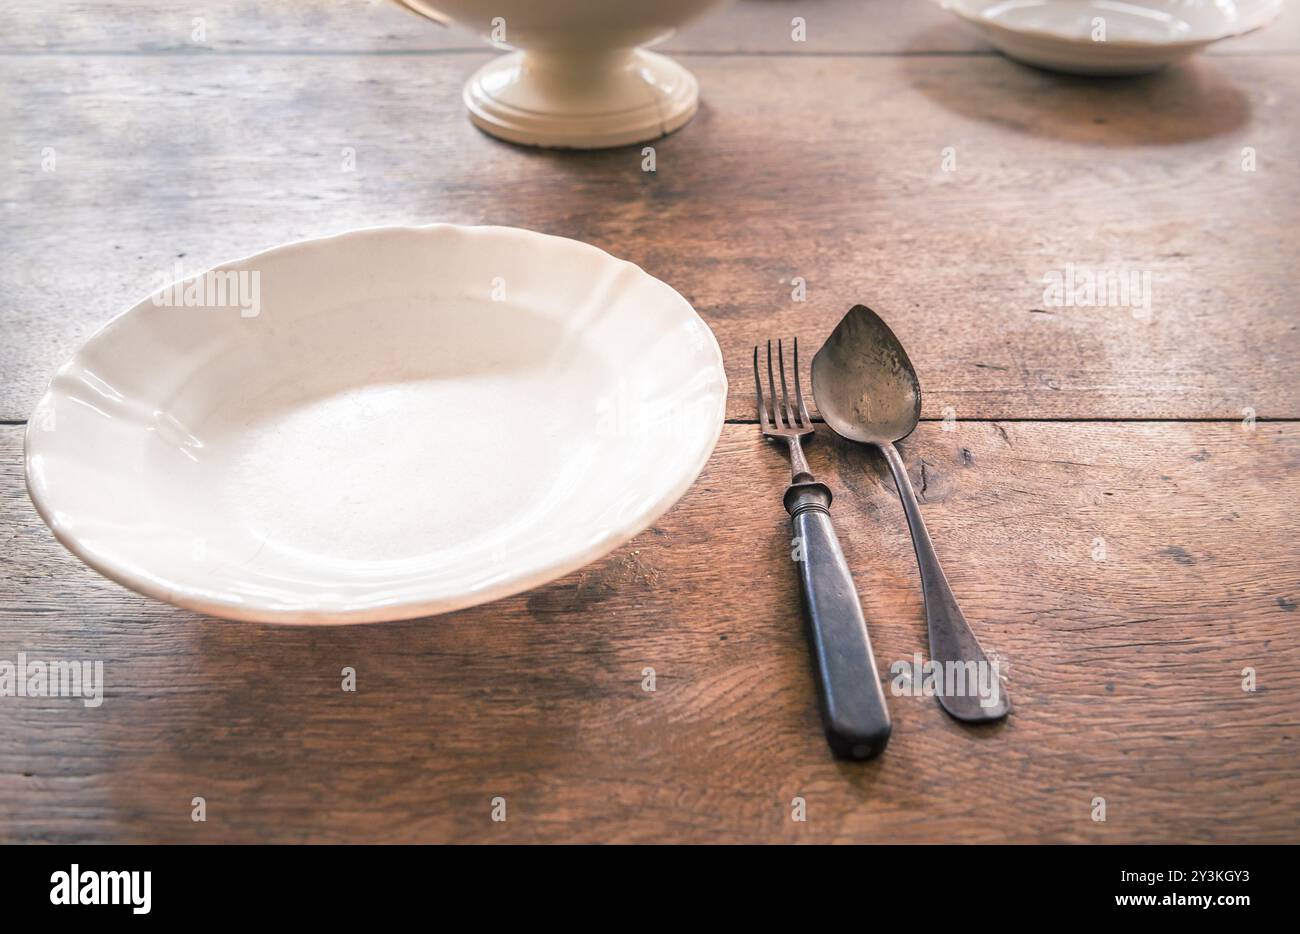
(1136, 37)
(380, 425)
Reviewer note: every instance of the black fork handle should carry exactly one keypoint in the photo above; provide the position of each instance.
(852, 703)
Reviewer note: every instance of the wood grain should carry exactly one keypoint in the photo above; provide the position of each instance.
(1125, 673)
(833, 27)
(820, 160)
(825, 169)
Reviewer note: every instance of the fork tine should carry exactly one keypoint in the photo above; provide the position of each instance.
(785, 395)
(758, 388)
(804, 420)
(771, 389)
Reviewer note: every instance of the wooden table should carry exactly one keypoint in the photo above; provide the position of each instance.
(1115, 502)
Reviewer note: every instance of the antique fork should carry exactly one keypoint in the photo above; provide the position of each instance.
(852, 703)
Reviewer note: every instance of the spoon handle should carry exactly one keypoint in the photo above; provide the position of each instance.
(951, 641)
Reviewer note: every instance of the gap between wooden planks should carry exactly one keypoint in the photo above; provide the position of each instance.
(353, 27)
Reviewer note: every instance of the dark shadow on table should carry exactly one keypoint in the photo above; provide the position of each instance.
(1189, 101)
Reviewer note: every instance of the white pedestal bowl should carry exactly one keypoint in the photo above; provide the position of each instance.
(579, 78)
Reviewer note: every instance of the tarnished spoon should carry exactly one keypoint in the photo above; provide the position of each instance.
(867, 391)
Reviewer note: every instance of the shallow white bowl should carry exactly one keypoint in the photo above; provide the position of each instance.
(1137, 36)
(404, 422)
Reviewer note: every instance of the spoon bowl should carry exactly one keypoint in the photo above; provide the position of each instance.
(865, 385)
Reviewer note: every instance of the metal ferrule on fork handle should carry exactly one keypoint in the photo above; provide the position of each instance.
(810, 495)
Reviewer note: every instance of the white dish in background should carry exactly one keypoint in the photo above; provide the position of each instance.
(406, 421)
(1140, 36)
